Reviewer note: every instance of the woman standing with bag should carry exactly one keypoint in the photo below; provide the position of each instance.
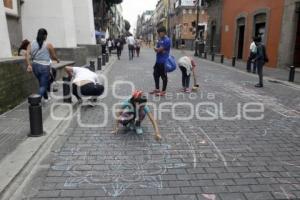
(41, 54)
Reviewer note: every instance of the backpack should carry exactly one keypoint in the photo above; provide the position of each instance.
(265, 53)
(170, 64)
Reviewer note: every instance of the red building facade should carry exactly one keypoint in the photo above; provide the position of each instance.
(244, 19)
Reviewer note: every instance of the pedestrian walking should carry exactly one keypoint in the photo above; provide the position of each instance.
(41, 54)
(187, 66)
(253, 51)
(132, 113)
(103, 44)
(119, 46)
(260, 59)
(138, 43)
(109, 45)
(162, 50)
(131, 43)
(84, 83)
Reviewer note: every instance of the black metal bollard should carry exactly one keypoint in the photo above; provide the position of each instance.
(205, 55)
(292, 74)
(196, 49)
(222, 59)
(233, 61)
(107, 57)
(35, 116)
(103, 59)
(92, 65)
(212, 57)
(99, 64)
(67, 90)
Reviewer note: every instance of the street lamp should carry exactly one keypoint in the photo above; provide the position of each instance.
(197, 22)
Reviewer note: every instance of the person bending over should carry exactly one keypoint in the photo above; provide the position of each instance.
(132, 112)
(84, 83)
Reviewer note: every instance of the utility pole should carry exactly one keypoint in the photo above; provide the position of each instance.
(197, 27)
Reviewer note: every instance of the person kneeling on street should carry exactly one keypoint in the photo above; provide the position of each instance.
(84, 83)
(132, 112)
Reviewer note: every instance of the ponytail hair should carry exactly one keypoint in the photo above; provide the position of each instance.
(41, 37)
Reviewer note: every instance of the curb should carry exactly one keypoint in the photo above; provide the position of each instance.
(20, 163)
(270, 79)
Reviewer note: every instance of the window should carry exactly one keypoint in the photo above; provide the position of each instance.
(8, 4)
(11, 7)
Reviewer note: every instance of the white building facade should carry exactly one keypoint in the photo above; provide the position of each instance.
(69, 22)
(4, 37)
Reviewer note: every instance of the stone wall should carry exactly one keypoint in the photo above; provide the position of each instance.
(92, 50)
(77, 54)
(15, 83)
(288, 34)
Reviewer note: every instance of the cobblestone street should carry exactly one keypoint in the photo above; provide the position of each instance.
(228, 157)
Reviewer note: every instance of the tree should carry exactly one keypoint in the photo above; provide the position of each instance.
(111, 2)
(127, 25)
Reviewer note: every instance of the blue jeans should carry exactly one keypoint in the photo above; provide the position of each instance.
(42, 73)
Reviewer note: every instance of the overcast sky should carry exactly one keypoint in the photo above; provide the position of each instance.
(132, 8)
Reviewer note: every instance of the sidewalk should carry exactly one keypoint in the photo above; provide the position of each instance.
(14, 130)
(281, 74)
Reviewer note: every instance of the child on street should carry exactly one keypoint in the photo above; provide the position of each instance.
(133, 111)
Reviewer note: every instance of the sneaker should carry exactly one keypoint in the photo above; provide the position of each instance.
(154, 91)
(130, 126)
(47, 100)
(259, 85)
(139, 130)
(183, 90)
(161, 94)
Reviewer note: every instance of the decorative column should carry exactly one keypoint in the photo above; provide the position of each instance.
(56, 16)
(84, 22)
(4, 37)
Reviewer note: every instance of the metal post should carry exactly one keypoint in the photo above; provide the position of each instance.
(212, 57)
(92, 65)
(99, 64)
(197, 30)
(35, 116)
(67, 90)
(103, 59)
(233, 61)
(205, 55)
(222, 59)
(107, 57)
(292, 74)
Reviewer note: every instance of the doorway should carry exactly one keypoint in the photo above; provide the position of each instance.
(297, 44)
(240, 37)
(241, 42)
(212, 39)
(260, 21)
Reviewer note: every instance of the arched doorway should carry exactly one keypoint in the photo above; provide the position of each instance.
(240, 37)
(260, 21)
